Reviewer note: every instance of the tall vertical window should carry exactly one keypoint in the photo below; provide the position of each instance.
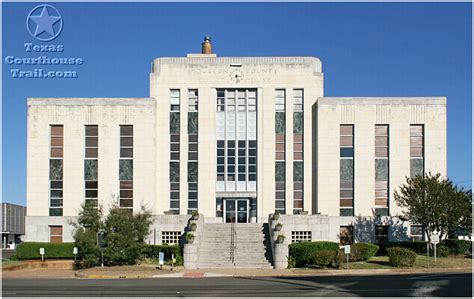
(236, 140)
(417, 153)
(280, 164)
(381, 170)
(346, 187)
(192, 150)
(56, 171)
(298, 143)
(91, 167)
(126, 167)
(175, 149)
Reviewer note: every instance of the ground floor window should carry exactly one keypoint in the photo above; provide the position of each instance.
(381, 233)
(56, 234)
(300, 236)
(170, 237)
(346, 235)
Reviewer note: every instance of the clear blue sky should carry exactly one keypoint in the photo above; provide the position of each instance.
(382, 49)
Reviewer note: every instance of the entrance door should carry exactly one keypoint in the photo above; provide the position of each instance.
(236, 210)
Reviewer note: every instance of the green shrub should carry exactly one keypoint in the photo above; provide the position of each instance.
(291, 262)
(457, 246)
(152, 252)
(401, 257)
(417, 246)
(362, 251)
(323, 258)
(442, 251)
(31, 250)
(302, 252)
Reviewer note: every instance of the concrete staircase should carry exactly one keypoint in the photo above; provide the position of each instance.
(251, 246)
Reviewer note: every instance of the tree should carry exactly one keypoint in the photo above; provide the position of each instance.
(126, 233)
(88, 224)
(435, 203)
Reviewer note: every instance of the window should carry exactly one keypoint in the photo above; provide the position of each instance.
(91, 165)
(56, 170)
(170, 237)
(126, 167)
(298, 145)
(56, 234)
(236, 133)
(280, 151)
(346, 187)
(346, 235)
(381, 169)
(417, 233)
(300, 236)
(175, 128)
(417, 153)
(381, 233)
(193, 150)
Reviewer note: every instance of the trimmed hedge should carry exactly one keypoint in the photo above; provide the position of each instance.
(152, 252)
(416, 246)
(362, 251)
(31, 250)
(442, 251)
(301, 253)
(401, 257)
(324, 258)
(457, 246)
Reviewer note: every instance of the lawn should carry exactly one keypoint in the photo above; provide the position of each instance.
(6, 263)
(381, 262)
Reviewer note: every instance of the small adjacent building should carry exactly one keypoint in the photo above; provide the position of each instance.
(236, 139)
(13, 224)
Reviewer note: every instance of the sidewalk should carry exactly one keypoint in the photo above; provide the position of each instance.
(180, 272)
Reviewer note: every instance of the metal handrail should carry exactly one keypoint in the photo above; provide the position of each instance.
(232, 243)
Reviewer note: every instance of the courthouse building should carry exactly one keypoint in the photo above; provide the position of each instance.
(236, 139)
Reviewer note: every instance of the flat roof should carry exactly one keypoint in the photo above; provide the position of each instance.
(382, 101)
(92, 101)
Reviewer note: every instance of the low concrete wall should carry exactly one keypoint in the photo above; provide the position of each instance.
(191, 250)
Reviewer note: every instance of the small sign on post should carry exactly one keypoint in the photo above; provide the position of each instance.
(75, 251)
(161, 259)
(434, 237)
(42, 254)
(347, 251)
(102, 243)
(173, 260)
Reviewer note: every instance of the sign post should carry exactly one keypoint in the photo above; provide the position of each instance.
(161, 259)
(347, 251)
(42, 254)
(173, 260)
(102, 243)
(75, 251)
(434, 240)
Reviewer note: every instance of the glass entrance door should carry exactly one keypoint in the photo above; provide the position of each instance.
(236, 210)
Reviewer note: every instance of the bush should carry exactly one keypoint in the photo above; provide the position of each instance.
(362, 251)
(152, 252)
(442, 251)
(401, 257)
(417, 246)
(31, 250)
(323, 258)
(457, 246)
(302, 252)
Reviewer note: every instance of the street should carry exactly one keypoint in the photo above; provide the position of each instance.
(438, 284)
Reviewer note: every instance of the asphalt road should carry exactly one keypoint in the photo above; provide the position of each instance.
(438, 284)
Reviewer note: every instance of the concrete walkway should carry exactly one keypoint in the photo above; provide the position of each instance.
(151, 271)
